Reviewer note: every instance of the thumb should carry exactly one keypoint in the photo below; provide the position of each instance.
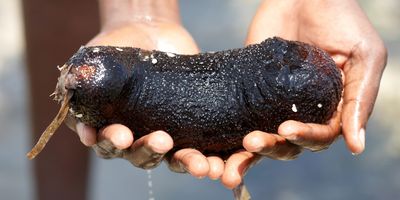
(363, 71)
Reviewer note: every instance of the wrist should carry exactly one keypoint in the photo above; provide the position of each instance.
(115, 13)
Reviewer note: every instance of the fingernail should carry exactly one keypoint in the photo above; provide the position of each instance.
(361, 137)
(214, 178)
(361, 141)
(182, 166)
(290, 137)
(80, 130)
(288, 133)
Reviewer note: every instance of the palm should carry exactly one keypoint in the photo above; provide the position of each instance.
(341, 29)
(166, 37)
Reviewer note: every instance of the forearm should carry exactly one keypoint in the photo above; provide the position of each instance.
(115, 13)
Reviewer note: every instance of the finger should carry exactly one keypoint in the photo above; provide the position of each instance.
(191, 161)
(86, 134)
(235, 168)
(148, 151)
(119, 135)
(112, 141)
(363, 73)
(216, 167)
(314, 137)
(106, 149)
(270, 145)
(268, 19)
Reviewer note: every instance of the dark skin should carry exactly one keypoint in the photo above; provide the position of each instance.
(352, 42)
(349, 37)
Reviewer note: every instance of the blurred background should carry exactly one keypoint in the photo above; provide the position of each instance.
(215, 25)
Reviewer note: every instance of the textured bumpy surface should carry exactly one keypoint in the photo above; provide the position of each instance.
(207, 101)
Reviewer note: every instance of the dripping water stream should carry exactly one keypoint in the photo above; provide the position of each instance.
(150, 185)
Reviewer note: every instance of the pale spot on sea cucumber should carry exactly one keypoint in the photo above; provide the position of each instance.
(118, 49)
(319, 105)
(294, 108)
(95, 50)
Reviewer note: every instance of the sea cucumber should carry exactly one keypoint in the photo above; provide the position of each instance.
(207, 101)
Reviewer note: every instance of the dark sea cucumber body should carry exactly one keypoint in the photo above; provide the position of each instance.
(208, 101)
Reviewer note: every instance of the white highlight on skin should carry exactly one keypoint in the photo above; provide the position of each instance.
(118, 49)
(361, 139)
(294, 108)
(166, 46)
(319, 105)
(361, 136)
(95, 50)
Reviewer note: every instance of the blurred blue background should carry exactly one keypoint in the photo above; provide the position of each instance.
(215, 25)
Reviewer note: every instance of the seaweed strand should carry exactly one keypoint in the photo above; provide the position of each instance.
(51, 129)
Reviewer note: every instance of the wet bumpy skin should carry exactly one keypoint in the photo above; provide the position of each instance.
(208, 101)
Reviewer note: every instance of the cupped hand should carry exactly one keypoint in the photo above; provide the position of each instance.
(148, 151)
(148, 25)
(342, 29)
(117, 140)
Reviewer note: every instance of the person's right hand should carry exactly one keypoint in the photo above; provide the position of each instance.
(153, 26)
(117, 140)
